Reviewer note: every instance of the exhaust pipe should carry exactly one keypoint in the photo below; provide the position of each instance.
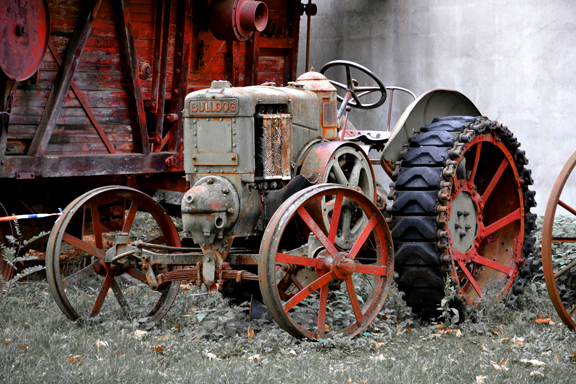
(237, 19)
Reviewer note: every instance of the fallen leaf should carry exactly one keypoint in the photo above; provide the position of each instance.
(439, 326)
(250, 333)
(536, 373)
(409, 330)
(377, 329)
(537, 363)
(480, 379)
(557, 357)
(118, 352)
(7, 341)
(505, 340)
(292, 352)
(482, 347)
(74, 359)
(494, 333)
(541, 320)
(501, 365)
(518, 340)
(140, 334)
(28, 324)
(157, 348)
(212, 356)
(254, 357)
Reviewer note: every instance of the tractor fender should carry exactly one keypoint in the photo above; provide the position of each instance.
(432, 104)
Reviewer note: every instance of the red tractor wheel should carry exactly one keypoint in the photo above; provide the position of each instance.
(462, 207)
(564, 301)
(302, 285)
(78, 275)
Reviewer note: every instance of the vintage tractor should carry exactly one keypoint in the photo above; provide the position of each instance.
(284, 205)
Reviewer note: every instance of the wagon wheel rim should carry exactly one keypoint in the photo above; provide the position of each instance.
(548, 238)
(486, 219)
(307, 311)
(65, 243)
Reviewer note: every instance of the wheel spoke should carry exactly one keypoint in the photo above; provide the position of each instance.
(346, 220)
(296, 282)
(470, 278)
(567, 207)
(354, 300)
(378, 270)
(337, 208)
(298, 260)
(492, 264)
(120, 298)
(367, 89)
(129, 220)
(339, 174)
(317, 231)
(355, 174)
(564, 239)
(312, 287)
(363, 236)
(565, 270)
(510, 218)
(77, 276)
(337, 84)
(476, 162)
(572, 312)
(495, 180)
(83, 246)
(96, 225)
(349, 78)
(322, 310)
(102, 295)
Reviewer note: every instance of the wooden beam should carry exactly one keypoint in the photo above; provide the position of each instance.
(131, 79)
(163, 71)
(232, 63)
(157, 51)
(7, 89)
(291, 73)
(63, 79)
(182, 58)
(80, 95)
(252, 56)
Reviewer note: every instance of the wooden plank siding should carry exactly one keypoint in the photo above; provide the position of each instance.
(99, 73)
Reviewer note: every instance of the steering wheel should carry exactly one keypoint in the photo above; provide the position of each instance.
(351, 86)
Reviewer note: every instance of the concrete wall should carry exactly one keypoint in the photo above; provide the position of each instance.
(515, 59)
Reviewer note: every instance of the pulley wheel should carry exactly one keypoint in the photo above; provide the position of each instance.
(24, 34)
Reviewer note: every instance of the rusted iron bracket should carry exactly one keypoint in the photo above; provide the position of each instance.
(252, 57)
(63, 79)
(163, 71)
(80, 95)
(131, 78)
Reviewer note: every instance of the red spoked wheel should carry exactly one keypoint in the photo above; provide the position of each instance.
(486, 219)
(82, 282)
(303, 286)
(563, 298)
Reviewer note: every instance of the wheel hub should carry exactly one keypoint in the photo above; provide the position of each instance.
(463, 222)
(342, 266)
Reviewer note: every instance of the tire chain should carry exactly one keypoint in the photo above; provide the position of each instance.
(470, 130)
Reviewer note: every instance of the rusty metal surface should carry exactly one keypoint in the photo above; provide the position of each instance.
(327, 264)
(237, 19)
(555, 199)
(24, 35)
(275, 139)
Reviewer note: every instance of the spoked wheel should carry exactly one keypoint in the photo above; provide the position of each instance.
(462, 206)
(83, 284)
(303, 287)
(347, 165)
(563, 296)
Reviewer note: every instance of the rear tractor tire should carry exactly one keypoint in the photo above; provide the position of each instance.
(461, 210)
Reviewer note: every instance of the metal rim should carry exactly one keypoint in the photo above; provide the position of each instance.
(490, 258)
(329, 265)
(345, 165)
(62, 239)
(548, 238)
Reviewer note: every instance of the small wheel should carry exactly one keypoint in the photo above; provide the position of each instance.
(352, 86)
(347, 165)
(564, 299)
(303, 287)
(79, 278)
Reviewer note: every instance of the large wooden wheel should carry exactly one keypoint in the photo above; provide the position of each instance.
(303, 286)
(82, 282)
(564, 302)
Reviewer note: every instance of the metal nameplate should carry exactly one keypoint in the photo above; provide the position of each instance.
(213, 107)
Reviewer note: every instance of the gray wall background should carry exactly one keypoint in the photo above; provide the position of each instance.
(515, 59)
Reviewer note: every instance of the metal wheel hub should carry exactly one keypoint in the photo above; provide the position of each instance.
(463, 223)
(342, 266)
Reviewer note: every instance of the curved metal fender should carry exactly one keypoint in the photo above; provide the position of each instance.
(434, 103)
